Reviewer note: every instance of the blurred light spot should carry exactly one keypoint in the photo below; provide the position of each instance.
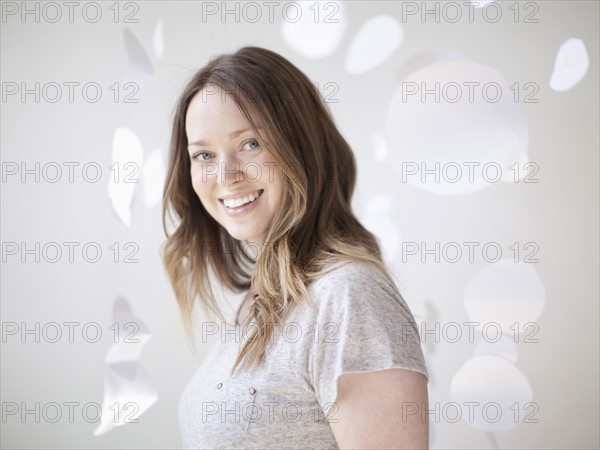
(158, 40)
(571, 65)
(505, 348)
(136, 53)
(427, 58)
(380, 152)
(127, 159)
(313, 29)
(494, 385)
(153, 176)
(380, 204)
(374, 43)
(377, 219)
(127, 384)
(505, 293)
(449, 114)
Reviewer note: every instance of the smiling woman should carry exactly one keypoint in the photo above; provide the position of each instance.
(226, 158)
(334, 357)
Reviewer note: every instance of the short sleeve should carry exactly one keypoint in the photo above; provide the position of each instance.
(363, 325)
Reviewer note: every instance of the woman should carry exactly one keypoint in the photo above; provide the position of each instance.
(324, 351)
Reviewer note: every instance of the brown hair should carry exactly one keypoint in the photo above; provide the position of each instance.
(316, 228)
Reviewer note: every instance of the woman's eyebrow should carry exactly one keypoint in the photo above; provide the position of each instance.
(231, 135)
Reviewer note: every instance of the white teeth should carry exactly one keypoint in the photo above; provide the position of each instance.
(237, 202)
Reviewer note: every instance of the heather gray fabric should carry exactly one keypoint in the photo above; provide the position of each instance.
(359, 323)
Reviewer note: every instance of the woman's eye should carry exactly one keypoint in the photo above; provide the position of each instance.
(202, 156)
(253, 144)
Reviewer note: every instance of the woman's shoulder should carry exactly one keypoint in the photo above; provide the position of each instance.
(354, 286)
(365, 322)
(355, 274)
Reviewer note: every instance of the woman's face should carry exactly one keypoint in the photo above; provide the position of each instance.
(233, 174)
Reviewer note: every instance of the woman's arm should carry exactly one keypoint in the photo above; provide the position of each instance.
(381, 409)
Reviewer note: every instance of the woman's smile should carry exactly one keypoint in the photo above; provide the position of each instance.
(241, 205)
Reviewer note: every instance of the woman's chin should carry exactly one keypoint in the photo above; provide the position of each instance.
(239, 235)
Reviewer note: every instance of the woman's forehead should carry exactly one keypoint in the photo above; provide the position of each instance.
(223, 111)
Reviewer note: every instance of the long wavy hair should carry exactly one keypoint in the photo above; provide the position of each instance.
(314, 232)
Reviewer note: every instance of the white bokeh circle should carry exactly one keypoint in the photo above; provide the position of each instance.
(508, 294)
(374, 43)
(492, 393)
(313, 29)
(468, 130)
(571, 65)
(378, 220)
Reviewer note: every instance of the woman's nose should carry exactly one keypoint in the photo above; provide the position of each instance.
(229, 170)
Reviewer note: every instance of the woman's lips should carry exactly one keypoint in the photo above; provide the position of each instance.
(246, 208)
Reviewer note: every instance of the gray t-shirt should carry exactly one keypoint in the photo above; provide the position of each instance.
(360, 323)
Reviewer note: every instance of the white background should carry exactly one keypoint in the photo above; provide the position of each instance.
(559, 213)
